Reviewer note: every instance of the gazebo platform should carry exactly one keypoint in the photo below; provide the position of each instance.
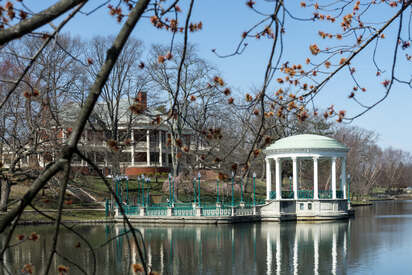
(304, 210)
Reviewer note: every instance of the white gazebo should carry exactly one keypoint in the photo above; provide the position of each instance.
(304, 147)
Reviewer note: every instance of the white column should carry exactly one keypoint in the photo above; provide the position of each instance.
(295, 178)
(160, 149)
(334, 178)
(278, 178)
(268, 178)
(344, 178)
(148, 147)
(132, 148)
(315, 179)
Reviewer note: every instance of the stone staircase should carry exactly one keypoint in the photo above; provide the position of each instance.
(80, 194)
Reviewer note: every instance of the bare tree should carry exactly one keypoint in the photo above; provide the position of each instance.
(112, 115)
(191, 108)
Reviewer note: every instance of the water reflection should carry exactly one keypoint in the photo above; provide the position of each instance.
(377, 238)
(243, 249)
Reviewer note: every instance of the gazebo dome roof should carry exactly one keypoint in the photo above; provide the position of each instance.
(307, 142)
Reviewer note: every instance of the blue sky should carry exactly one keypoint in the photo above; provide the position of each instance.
(223, 23)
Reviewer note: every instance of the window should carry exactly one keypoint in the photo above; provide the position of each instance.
(154, 157)
(100, 156)
(125, 157)
(164, 137)
(47, 157)
(310, 206)
(139, 135)
(154, 136)
(302, 206)
(186, 140)
(140, 157)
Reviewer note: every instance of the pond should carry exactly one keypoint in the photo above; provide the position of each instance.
(377, 241)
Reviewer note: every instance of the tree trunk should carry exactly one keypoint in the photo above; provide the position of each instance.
(116, 163)
(5, 192)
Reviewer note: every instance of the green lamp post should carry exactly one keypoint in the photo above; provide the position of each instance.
(170, 191)
(198, 188)
(217, 191)
(138, 190)
(143, 179)
(254, 189)
(241, 190)
(127, 190)
(148, 189)
(194, 190)
(116, 187)
(290, 183)
(173, 190)
(349, 188)
(233, 199)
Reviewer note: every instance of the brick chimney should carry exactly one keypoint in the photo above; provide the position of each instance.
(141, 99)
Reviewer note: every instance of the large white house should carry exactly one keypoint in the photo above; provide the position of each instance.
(144, 142)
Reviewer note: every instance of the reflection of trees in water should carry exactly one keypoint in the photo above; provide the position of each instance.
(36, 252)
(266, 248)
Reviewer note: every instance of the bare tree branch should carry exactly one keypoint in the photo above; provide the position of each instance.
(42, 18)
(39, 51)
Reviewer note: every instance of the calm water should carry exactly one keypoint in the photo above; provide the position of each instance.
(377, 241)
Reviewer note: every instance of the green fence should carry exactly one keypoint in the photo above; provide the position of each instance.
(184, 210)
(156, 211)
(212, 210)
(287, 194)
(131, 210)
(187, 209)
(272, 195)
(325, 194)
(305, 194)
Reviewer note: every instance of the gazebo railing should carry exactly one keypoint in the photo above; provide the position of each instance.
(131, 210)
(272, 195)
(287, 194)
(156, 211)
(305, 194)
(184, 210)
(325, 194)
